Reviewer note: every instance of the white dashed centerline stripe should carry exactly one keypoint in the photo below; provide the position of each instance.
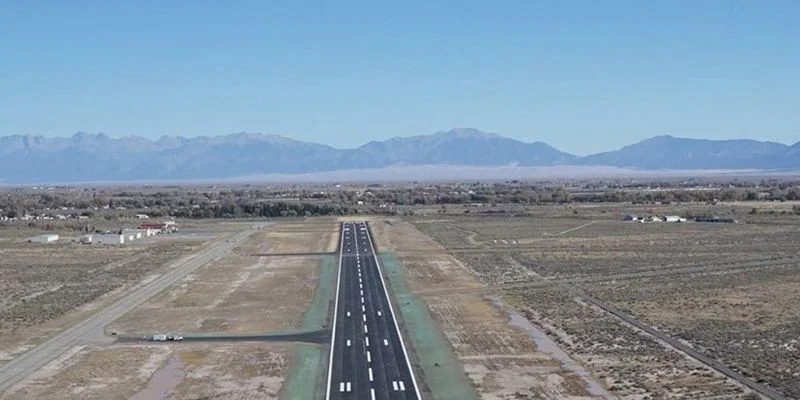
(379, 313)
(372, 393)
(362, 309)
(365, 328)
(362, 300)
(369, 358)
(385, 342)
(348, 342)
(370, 374)
(364, 317)
(348, 313)
(367, 340)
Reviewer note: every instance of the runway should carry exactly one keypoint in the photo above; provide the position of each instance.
(368, 358)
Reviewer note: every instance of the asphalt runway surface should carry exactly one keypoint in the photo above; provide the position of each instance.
(368, 359)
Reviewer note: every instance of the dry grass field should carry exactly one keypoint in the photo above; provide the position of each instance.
(224, 297)
(48, 287)
(726, 289)
(254, 289)
(500, 359)
(152, 371)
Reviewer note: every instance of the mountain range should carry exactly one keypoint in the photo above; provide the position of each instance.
(86, 157)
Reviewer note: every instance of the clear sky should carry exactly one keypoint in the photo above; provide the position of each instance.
(584, 76)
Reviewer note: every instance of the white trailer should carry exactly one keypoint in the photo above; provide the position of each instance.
(48, 238)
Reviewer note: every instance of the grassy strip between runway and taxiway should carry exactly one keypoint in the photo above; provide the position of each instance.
(442, 373)
(306, 378)
(321, 306)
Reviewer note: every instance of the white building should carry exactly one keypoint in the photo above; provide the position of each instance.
(134, 234)
(48, 238)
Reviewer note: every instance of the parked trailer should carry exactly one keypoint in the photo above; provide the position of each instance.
(159, 338)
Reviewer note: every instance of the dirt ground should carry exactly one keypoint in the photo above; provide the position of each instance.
(224, 297)
(726, 289)
(171, 371)
(46, 288)
(501, 360)
(309, 236)
(241, 293)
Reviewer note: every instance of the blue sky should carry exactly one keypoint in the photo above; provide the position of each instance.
(583, 76)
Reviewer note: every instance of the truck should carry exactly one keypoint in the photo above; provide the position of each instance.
(159, 337)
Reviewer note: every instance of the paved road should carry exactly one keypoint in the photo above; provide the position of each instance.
(368, 359)
(48, 351)
(320, 336)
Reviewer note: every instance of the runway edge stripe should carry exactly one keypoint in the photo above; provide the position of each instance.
(335, 312)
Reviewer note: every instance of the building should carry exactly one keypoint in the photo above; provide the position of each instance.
(160, 227)
(46, 238)
(133, 234)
